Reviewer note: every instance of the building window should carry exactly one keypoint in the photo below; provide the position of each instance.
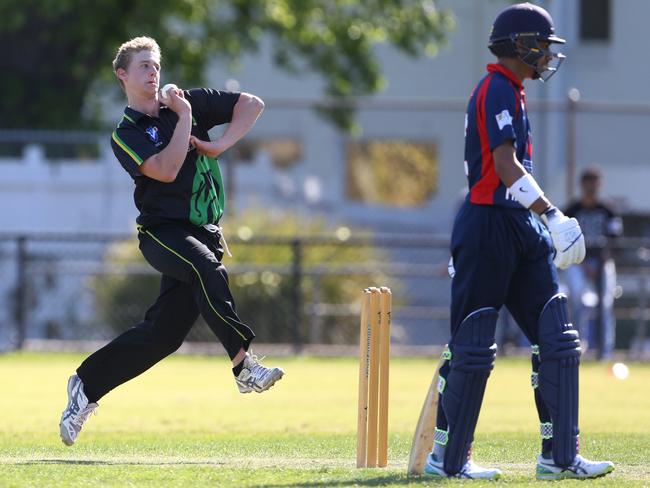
(595, 18)
(283, 152)
(391, 172)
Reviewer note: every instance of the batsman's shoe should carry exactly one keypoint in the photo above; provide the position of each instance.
(77, 411)
(471, 470)
(581, 468)
(256, 377)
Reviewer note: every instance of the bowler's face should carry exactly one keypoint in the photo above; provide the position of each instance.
(143, 74)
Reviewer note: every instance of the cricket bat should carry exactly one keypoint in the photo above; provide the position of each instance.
(425, 429)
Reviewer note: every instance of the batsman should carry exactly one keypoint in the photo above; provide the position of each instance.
(507, 241)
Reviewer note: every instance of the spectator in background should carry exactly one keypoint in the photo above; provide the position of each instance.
(599, 223)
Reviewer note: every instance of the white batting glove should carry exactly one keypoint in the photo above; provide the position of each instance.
(568, 240)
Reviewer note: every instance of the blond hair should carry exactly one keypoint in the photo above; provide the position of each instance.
(126, 51)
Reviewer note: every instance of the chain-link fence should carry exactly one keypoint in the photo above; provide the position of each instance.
(296, 292)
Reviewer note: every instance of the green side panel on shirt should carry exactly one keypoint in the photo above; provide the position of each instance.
(208, 197)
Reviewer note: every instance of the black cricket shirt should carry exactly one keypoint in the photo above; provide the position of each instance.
(196, 196)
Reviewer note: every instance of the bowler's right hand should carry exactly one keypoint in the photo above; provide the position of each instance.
(177, 102)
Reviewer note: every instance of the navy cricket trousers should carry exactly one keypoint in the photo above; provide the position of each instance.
(502, 256)
(193, 281)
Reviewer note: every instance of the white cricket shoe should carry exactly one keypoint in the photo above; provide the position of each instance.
(256, 377)
(470, 470)
(77, 411)
(581, 468)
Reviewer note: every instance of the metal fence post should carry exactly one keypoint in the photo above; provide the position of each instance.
(600, 309)
(296, 293)
(640, 333)
(20, 312)
(315, 318)
(573, 96)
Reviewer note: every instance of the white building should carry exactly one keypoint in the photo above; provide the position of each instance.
(423, 102)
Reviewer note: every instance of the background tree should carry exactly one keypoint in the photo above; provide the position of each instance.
(56, 50)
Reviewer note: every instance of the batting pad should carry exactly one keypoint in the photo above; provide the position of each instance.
(473, 353)
(559, 355)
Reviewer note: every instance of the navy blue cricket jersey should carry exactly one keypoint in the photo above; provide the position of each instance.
(496, 113)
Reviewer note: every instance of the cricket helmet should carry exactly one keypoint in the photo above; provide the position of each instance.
(517, 31)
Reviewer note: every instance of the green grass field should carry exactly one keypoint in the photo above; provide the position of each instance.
(183, 423)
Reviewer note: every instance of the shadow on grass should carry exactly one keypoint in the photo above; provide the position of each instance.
(383, 480)
(90, 462)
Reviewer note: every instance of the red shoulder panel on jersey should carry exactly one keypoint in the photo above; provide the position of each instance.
(483, 191)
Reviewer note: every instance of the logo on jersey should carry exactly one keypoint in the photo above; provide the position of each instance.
(152, 132)
(504, 118)
(510, 196)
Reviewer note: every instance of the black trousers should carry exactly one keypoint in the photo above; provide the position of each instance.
(193, 281)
